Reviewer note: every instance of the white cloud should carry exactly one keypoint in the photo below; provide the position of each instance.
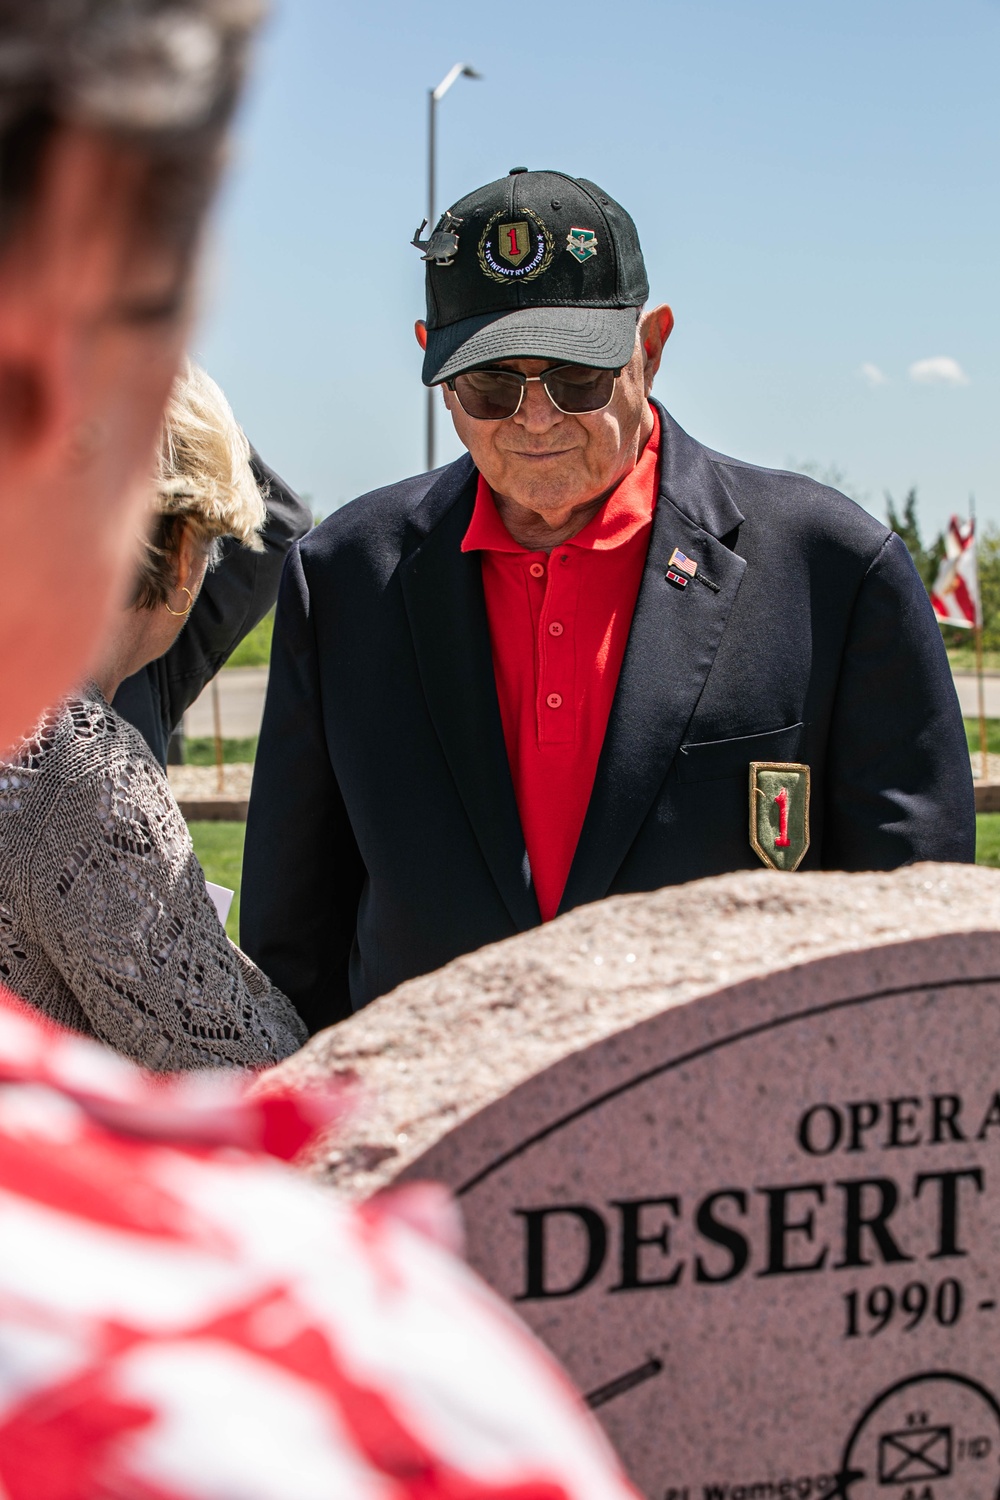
(941, 369)
(872, 375)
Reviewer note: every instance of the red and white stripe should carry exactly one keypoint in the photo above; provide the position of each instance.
(955, 595)
(184, 1318)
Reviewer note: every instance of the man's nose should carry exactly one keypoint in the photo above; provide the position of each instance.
(536, 412)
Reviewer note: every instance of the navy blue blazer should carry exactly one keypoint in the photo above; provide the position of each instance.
(383, 837)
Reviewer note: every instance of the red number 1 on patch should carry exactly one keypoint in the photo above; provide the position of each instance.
(781, 801)
(782, 841)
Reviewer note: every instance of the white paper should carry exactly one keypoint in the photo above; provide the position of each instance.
(222, 899)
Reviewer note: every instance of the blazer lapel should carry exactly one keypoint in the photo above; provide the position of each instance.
(443, 594)
(671, 647)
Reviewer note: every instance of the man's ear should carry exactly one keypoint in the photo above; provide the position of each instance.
(420, 329)
(655, 327)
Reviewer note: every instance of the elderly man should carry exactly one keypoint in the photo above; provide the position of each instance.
(591, 657)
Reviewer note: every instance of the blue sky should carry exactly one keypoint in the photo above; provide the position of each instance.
(815, 186)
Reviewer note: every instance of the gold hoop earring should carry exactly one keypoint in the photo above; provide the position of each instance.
(180, 612)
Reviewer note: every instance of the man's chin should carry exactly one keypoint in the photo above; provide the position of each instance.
(530, 486)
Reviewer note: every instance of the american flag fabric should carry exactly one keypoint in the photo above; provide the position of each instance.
(955, 595)
(183, 1317)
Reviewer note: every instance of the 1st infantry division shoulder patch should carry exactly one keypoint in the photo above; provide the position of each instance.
(779, 812)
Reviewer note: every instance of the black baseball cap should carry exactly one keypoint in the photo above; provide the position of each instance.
(537, 265)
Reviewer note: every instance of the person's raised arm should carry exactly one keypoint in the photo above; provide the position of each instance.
(235, 596)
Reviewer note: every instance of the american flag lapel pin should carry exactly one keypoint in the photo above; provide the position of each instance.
(680, 568)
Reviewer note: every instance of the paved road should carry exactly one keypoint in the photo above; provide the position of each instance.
(241, 701)
(241, 704)
(968, 695)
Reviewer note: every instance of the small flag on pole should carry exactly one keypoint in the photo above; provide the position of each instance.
(955, 595)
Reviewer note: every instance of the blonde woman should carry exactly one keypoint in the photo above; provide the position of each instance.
(105, 921)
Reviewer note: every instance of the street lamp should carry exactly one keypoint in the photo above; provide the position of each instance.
(460, 70)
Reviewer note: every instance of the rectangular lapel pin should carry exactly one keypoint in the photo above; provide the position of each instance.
(677, 579)
(779, 812)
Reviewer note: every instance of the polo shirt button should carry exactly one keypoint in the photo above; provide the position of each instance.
(554, 700)
(536, 570)
(555, 628)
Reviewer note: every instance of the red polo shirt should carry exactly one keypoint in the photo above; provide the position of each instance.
(559, 624)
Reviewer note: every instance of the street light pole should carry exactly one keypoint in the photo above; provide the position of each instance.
(460, 70)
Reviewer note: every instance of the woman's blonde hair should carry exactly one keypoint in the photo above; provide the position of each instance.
(204, 482)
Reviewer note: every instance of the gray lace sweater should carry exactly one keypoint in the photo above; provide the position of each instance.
(105, 922)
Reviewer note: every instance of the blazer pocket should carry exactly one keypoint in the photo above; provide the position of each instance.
(717, 760)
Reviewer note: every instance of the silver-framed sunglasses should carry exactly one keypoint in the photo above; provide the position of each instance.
(491, 395)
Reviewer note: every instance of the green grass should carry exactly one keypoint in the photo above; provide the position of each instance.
(963, 659)
(219, 847)
(992, 735)
(988, 839)
(254, 650)
(201, 752)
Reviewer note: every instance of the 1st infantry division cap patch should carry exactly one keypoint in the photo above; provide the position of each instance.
(515, 249)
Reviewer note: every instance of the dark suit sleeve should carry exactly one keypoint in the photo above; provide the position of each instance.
(899, 782)
(235, 596)
(302, 872)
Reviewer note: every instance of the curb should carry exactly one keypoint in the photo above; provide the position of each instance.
(987, 796)
(229, 809)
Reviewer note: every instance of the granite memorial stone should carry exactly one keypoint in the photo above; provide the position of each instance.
(733, 1151)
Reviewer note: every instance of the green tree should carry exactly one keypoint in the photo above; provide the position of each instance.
(905, 524)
